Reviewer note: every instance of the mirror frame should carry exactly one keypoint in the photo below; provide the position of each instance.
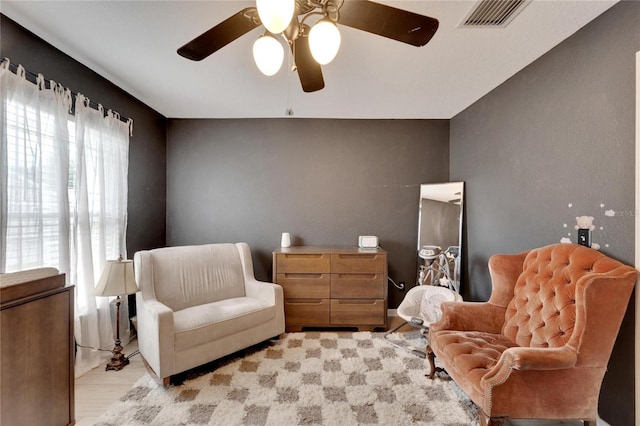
(443, 192)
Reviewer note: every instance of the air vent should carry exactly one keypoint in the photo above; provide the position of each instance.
(493, 13)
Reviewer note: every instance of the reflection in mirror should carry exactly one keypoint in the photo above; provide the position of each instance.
(440, 234)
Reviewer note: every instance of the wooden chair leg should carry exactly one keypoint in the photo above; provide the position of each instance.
(495, 421)
(490, 421)
(432, 363)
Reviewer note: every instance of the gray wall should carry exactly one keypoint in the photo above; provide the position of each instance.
(147, 152)
(559, 132)
(324, 181)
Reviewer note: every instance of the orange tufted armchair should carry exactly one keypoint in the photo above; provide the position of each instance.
(539, 348)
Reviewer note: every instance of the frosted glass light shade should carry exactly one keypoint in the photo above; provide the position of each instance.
(268, 54)
(275, 14)
(324, 41)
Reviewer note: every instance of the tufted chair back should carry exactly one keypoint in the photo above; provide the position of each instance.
(542, 313)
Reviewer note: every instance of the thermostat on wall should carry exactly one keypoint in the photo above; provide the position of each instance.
(367, 241)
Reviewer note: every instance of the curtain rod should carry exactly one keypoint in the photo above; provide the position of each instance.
(32, 77)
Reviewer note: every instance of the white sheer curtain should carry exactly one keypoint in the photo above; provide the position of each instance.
(99, 222)
(64, 197)
(35, 171)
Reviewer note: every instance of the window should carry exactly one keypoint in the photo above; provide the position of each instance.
(32, 235)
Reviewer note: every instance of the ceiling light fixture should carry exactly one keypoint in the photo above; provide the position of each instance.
(268, 54)
(277, 16)
(324, 41)
(298, 28)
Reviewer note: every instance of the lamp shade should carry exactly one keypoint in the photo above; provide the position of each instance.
(117, 279)
(324, 41)
(268, 54)
(275, 14)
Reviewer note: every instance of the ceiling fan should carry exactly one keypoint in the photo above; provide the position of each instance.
(292, 24)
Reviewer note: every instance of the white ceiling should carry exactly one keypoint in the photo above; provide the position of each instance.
(133, 44)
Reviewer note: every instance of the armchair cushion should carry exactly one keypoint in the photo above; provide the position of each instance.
(212, 321)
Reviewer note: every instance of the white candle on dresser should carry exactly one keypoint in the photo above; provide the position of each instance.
(286, 240)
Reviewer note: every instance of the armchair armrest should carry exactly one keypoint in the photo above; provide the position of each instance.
(157, 312)
(269, 292)
(521, 358)
(157, 340)
(542, 358)
(485, 316)
(467, 316)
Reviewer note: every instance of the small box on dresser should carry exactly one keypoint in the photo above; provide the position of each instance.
(332, 286)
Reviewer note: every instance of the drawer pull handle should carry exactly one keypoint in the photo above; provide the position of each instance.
(304, 256)
(303, 301)
(358, 256)
(357, 302)
(304, 276)
(358, 276)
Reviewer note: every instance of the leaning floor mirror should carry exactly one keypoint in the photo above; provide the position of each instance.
(440, 234)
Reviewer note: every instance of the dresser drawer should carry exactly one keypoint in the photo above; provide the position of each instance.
(307, 311)
(358, 263)
(303, 262)
(357, 286)
(357, 312)
(301, 286)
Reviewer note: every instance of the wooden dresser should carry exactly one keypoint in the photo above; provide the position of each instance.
(37, 353)
(332, 286)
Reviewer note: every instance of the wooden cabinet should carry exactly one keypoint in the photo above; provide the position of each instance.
(332, 286)
(37, 357)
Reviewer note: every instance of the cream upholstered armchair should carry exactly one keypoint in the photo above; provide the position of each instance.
(539, 348)
(199, 303)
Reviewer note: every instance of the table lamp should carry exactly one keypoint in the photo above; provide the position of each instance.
(117, 279)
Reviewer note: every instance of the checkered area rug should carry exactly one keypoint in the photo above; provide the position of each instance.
(312, 378)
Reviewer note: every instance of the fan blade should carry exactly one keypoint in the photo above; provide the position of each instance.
(221, 35)
(309, 70)
(387, 21)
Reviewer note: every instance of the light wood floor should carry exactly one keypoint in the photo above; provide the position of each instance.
(98, 389)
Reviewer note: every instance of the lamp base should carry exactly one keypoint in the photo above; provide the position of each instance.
(118, 360)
